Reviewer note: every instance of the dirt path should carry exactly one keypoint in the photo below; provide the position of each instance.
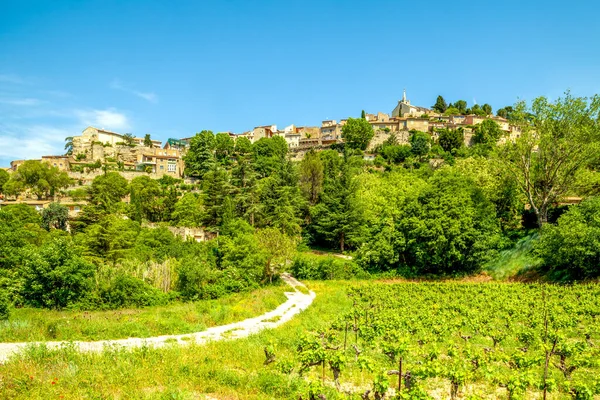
(296, 302)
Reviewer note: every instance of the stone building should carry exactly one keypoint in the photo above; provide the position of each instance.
(60, 162)
(161, 162)
(405, 109)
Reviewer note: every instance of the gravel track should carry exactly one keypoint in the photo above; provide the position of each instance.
(296, 302)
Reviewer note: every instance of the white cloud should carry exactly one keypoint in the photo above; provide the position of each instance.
(31, 142)
(148, 96)
(21, 102)
(107, 119)
(11, 78)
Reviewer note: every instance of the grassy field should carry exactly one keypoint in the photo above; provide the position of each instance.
(219, 370)
(232, 369)
(32, 324)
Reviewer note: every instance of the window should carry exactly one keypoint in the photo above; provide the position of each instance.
(162, 167)
(172, 167)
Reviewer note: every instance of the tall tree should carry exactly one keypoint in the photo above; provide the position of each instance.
(108, 189)
(451, 139)
(487, 132)
(487, 109)
(189, 211)
(505, 112)
(269, 155)
(224, 147)
(338, 218)
(200, 158)
(128, 139)
(277, 247)
(357, 133)
(216, 188)
(148, 140)
(440, 105)
(461, 105)
(145, 196)
(4, 177)
(420, 143)
(311, 176)
(55, 216)
(362, 114)
(561, 139)
(69, 145)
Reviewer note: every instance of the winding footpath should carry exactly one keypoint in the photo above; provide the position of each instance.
(296, 302)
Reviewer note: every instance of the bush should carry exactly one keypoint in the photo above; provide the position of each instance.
(325, 268)
(56, 276)
(127, 291)
(571, 248)
(4, 307)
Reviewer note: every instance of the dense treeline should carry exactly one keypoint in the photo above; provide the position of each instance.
(430, 207)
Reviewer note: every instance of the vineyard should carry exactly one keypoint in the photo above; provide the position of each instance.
(456, 340)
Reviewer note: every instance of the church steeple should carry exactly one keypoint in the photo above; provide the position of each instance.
(404, 96)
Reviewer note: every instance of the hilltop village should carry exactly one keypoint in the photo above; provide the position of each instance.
(97, 150)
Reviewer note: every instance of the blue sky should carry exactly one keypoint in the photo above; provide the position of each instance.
(173, 68)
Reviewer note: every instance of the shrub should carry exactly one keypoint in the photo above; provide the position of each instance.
(56, 276)
(4, 307)
(571, 248)
(127, 291)
(324, 268)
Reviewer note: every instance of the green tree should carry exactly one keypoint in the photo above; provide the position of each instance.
(487, 132)
(269, 155)
(487, 109)
(145, 202)
(451, 228)
(243, 145)
(4, 177)
(477, 110)
(200, 156)
(69, 145)
(224, 148)
(56, 276)
(55, 216)
(41, 178)
(216, 188)
(440, 105)
(128, 139)
(311, 176)
(107, 190)
(148, 140)
(396, 153)
(505, 112)
(420, 143)
(357, 133)
(452, 111)
(189, 211)
(277, 247)
(571, 248)
(451, 139)
(562, 139)
(281, 200)
(338, 218)
(461, 106)
(109, 239)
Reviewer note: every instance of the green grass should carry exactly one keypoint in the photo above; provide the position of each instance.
(221, 370)
(29, 324)
(514, 261)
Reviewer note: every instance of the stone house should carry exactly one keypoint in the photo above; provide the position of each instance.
(265, 131)
(161, 162)
(60, 162)
(330, 129)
